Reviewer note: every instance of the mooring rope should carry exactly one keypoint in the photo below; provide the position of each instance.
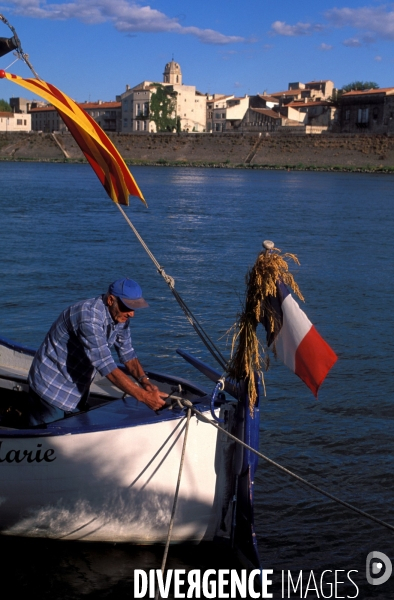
(364, 514)
(171, 284)
(163, 564)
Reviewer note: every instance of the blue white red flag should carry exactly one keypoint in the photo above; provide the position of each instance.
(297, 342)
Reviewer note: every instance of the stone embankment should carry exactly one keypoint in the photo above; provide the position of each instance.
(326, 151)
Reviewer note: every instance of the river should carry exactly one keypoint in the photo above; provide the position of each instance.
(63, 240)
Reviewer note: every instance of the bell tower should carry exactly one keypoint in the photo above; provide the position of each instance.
(172, 73)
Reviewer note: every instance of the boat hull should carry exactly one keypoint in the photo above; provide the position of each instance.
(115, 485)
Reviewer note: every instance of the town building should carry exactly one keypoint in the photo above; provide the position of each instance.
(106, 114)
(258, 114)
(216, 107)
(320, 114)
(187, 106)
(314, 91)
(14, 122)
(367, 111)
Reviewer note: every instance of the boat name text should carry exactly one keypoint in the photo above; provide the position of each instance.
(36, 455)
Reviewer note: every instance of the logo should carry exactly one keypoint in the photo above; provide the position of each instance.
(378, 564)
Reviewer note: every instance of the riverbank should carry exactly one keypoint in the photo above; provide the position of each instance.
(327, 152)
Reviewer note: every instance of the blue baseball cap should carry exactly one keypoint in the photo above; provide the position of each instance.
(129, 292)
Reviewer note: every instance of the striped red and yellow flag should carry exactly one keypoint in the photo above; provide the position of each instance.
(102, 155)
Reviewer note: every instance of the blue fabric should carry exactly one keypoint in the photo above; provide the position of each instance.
(41, 412)
(75, 348)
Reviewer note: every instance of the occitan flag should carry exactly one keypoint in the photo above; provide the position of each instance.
(102, 155)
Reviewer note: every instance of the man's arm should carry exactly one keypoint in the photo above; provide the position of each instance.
(149, 394)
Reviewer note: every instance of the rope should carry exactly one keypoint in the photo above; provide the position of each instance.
(22, 55)
(163, 564)
(209, 344)
(288, 472)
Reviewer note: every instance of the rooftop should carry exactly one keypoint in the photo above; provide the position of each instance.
(84, 105)
(386, 91)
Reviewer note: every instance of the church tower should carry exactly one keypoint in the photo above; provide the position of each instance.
(172, 73)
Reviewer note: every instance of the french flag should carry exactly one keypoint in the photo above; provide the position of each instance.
(297, 342)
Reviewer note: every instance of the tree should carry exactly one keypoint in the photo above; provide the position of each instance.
(162, 108)
(356, 85)
(359, 86)
(4, 106)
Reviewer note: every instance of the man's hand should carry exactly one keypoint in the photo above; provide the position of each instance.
(153, 398)
(149, 394)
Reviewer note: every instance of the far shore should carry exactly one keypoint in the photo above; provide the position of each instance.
(361, 153)
(218, 165)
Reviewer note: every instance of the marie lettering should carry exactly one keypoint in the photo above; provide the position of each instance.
(29, 456)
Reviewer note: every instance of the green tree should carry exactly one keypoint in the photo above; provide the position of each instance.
(4, 106)
(162, 108)
(356, 85)
(359, 86)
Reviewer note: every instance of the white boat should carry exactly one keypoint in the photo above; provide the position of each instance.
(109, 473)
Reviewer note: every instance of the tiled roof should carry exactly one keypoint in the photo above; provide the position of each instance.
(268, 98)
(84, 105)
(296, 104)
(268, 112)
(288, 93)
(7, 115)
(47, 108)
(97, 105)
(389, 90)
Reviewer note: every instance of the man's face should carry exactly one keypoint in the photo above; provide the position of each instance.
(119, 311)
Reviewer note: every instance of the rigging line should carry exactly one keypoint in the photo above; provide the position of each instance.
(13, 62)
(171, 284)
(294, 475)
(19, 50)
(178, 483)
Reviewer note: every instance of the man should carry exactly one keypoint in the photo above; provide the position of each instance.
(78, 345)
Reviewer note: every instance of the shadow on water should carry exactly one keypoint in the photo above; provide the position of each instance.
(72, 570)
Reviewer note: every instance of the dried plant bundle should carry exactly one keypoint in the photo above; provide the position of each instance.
(249, 355)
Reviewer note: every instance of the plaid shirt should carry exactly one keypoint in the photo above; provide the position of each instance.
(77, 345)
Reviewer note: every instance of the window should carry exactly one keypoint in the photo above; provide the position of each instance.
(146, 109)
(375, 113)
(363, 114)
(125, 122)
(19, 121)
(347, 115)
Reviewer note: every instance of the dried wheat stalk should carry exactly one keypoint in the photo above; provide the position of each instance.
(248, 354)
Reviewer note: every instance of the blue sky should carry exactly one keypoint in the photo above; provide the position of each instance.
(92, 48)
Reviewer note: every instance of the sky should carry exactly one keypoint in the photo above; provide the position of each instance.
(92, 49)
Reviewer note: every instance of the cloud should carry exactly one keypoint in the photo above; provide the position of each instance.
(378, 58)
(126, 16)
(325, 47)
(372, 21)
(369, 22)
(281, 28)
(352, 43)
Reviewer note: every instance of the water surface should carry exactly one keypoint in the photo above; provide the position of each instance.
(63, 240)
